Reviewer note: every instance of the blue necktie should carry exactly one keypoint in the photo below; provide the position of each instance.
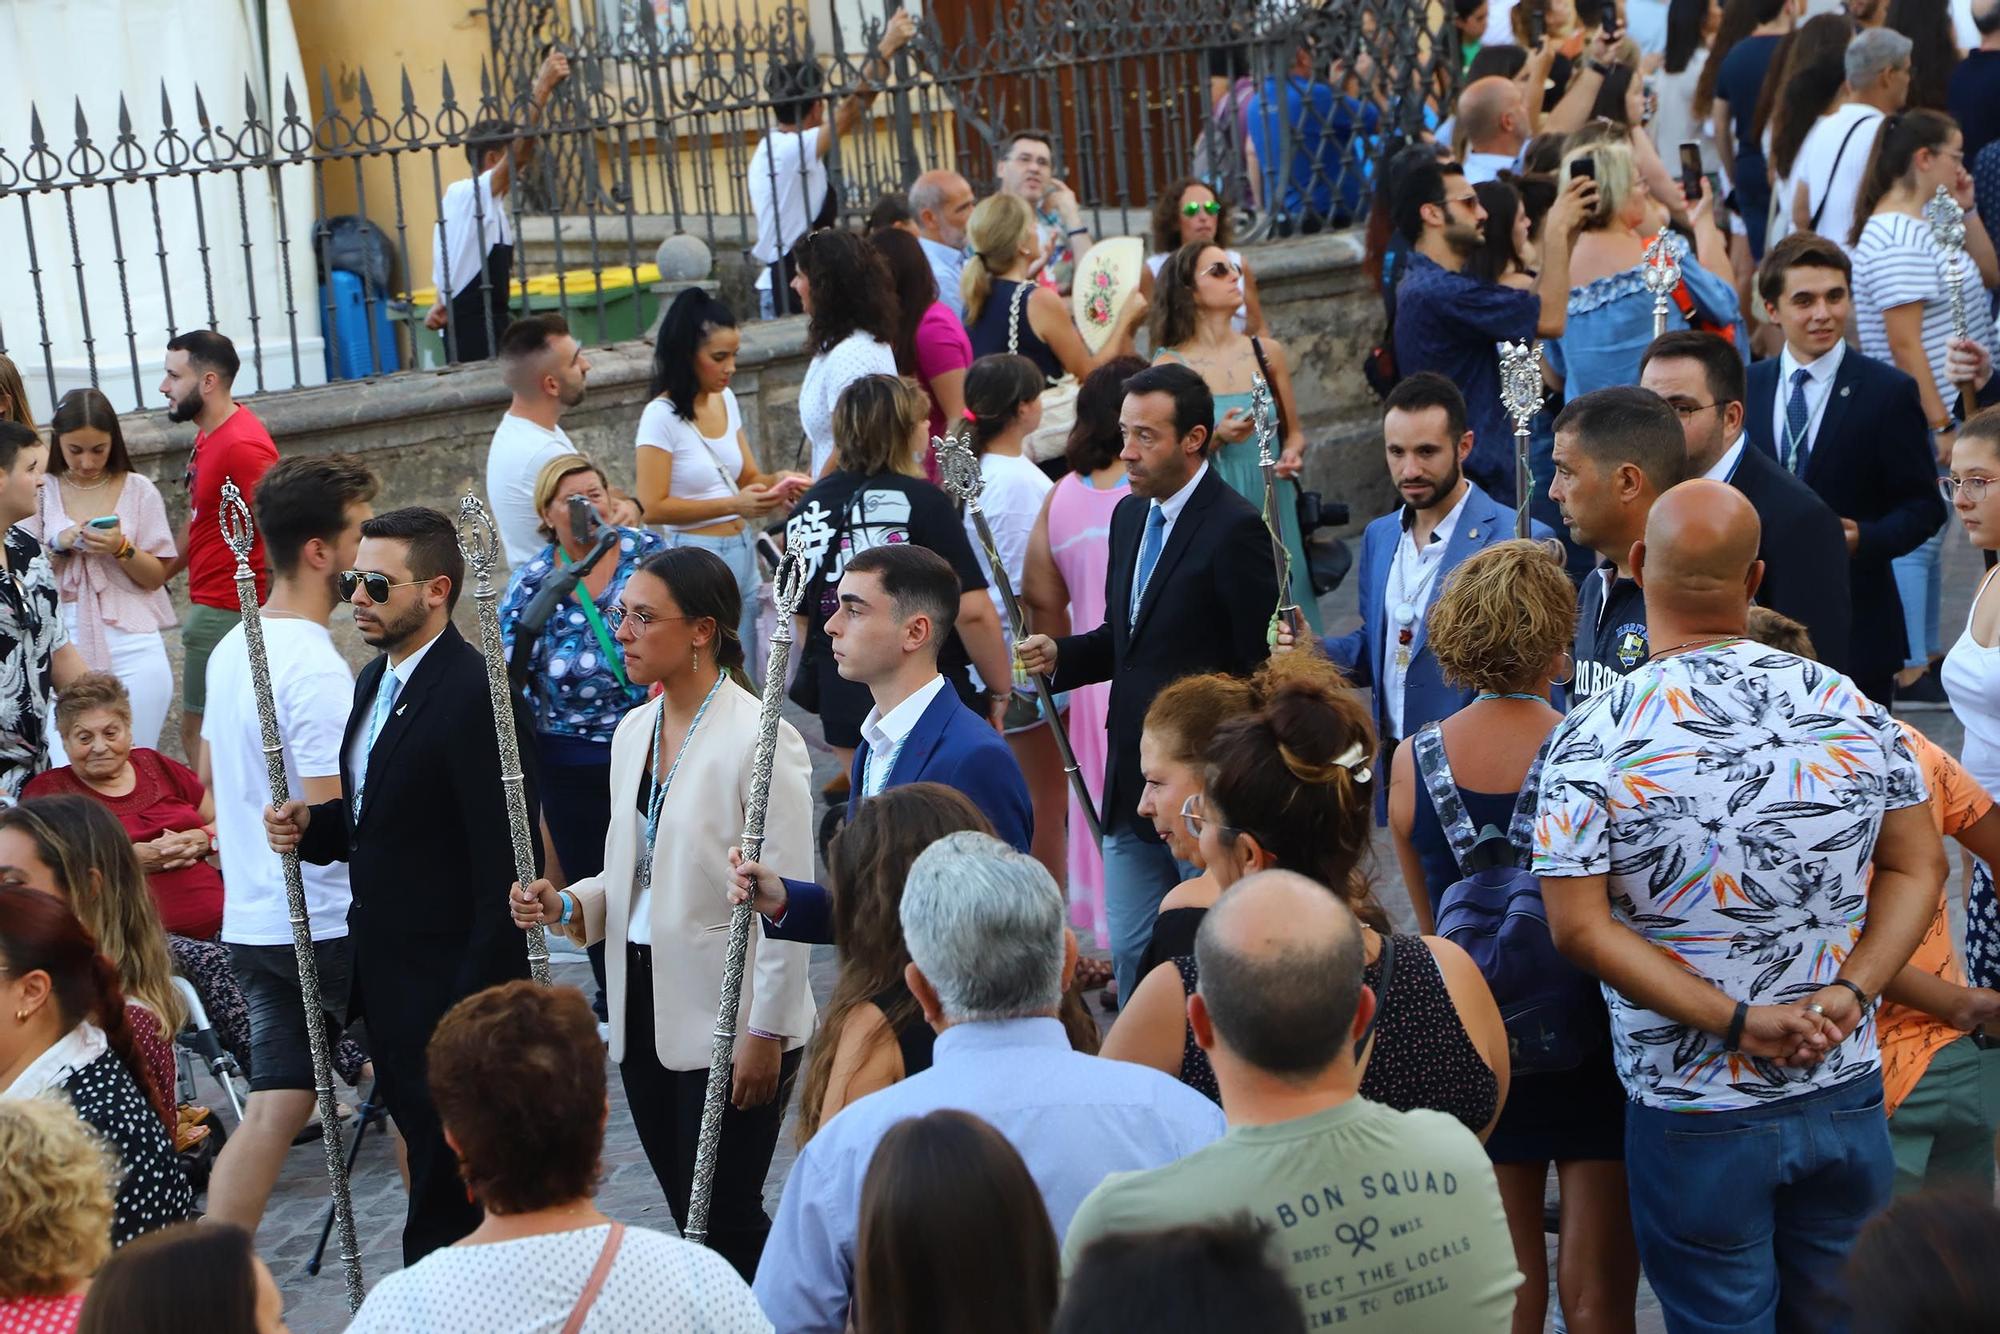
(1797, 416)
(1149, 555)
(385, 695)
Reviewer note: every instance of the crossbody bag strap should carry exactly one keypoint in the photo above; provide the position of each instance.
(1834, 175)
(1381, 996)
(609, 648)
(595, 1283)
(1428, 747)
(1521, 829)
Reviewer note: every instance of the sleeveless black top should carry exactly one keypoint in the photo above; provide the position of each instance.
(1422, 1055)
(914, 1037)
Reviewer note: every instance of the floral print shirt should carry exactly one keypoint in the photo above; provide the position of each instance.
(576, 690)
(1732, 796)
(31, 630)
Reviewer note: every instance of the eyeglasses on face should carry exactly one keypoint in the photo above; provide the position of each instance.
(1194, 815)
(642, 620)
(1210, 207)
(1688, 411)
(378, 585)
(1972, 488)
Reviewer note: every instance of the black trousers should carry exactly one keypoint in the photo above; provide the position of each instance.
(666, 1108)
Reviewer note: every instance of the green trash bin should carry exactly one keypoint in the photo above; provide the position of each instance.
(625, 309)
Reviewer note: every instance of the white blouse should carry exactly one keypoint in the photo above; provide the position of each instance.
(829, 372)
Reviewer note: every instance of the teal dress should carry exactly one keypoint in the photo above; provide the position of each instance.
(1236, 464)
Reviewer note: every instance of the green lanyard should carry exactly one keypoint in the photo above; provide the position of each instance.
(604, 640)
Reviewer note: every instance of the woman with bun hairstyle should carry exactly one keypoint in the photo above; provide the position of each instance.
(1293, 786)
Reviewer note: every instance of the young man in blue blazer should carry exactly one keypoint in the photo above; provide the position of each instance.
(896, 605)
(1407, 556)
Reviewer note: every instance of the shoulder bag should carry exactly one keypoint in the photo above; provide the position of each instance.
(595, 1283)
(1051, 438)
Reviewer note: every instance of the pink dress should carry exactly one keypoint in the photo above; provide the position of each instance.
(1080, 541)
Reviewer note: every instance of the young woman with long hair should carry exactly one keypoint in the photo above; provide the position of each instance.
(1189, 211)
(1007, 310)
(850, 303)
(930, 343)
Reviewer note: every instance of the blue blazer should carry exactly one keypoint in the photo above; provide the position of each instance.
(1363, 652)
(950, 745)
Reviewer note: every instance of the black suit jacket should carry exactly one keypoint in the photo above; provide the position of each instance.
(1872, 462)
(430, 859)
(1804, 553)
(1207, 608)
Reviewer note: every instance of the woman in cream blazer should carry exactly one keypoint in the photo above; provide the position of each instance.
(676, 625)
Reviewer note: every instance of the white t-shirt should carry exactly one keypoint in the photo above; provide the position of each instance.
(787, 179)
(471, 221)
(314, 692)
(530, 1285)
(1674, 121)
(704, 469)
(858, 354)
(1837, 185)
(515, 459)
(1011, 491)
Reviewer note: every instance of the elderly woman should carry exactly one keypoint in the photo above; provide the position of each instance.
(66, 1035)
(55, 1214)
(517, 1056)
(1610, 308)
(1502, 627)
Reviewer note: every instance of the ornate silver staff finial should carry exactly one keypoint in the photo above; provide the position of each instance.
(958, 467)
(1947, 224)
(479, 543)
(239, 533)
(788, 585)
(1260, 419)
(1521, 395)
(1662, 274)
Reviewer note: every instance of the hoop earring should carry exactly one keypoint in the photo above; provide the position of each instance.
(1568, 672)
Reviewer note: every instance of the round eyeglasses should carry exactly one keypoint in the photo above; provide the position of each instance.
(1972, 488)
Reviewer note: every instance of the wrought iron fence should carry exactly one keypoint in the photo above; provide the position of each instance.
(309, 238)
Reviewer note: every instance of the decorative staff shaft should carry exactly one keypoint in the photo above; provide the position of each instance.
(1281, 555)
(958, 469)
(1947, 224)
(240, 534)
(479, 542)
(1662, 275)
(1521, 394)
(788, 588)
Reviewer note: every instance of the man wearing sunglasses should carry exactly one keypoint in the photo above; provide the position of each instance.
(421, 821)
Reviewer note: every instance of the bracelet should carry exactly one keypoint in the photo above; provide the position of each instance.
(568, 907)
(128, 551)
(1733, 1040)
(1598, 67)
(760, 1033)
(1859, 994)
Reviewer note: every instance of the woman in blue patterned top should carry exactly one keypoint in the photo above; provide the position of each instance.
(578, 686)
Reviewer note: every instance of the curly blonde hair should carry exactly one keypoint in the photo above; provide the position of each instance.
(55, 1199)
(1503, 617)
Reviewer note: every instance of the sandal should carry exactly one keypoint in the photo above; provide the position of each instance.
(1093, 973)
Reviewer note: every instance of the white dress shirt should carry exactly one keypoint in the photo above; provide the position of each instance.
(1413, 577)
(472, 221)
(1725, 467)
(886, 732)
(357, 745)
(1819, 388)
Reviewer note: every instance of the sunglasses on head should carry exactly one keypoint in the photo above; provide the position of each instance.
(1212, 207)
(378, 585)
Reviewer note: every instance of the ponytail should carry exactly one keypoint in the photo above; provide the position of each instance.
(1902, 136)
(995, 231)
(997, 387)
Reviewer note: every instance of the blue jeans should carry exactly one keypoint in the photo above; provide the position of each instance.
(1744, 1218)
(1137, 875)
(739, 553)
(1921, 590)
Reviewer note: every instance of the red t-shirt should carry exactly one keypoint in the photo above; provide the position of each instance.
(240, 450)
(166, 795)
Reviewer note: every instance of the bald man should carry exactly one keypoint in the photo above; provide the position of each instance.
(1703, 840)
(1384, 1220)
(942, 201)
(1493, 119)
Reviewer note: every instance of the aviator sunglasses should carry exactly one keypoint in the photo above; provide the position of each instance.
(378, 585)
(1212, 207)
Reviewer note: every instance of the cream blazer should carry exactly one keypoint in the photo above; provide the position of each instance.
(700, 821)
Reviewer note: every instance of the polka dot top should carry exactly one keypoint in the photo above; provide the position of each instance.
(41, 1315)
(529, 1286)
(153, 1187)
(1422, 1055)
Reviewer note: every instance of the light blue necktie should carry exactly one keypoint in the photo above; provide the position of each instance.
(1797, 417)
(385, 695)
(1149, 555)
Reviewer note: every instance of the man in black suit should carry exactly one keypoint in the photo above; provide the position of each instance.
(1803, 547)
(1190, 588)
(422, 824)
(1853, 429)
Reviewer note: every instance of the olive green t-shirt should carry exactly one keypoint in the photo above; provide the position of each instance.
(1380, 1219)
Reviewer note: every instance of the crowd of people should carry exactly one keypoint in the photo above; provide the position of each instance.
(1673, 931)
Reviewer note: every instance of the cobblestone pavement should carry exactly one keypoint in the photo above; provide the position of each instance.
(316, 1305)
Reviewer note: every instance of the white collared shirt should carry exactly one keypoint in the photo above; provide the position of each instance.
(65, 1056)
(1819, 388)
(886, 732)
(357, 745)
(1725, 467)
(473, 219)
(1171, 507)
(1413, 577)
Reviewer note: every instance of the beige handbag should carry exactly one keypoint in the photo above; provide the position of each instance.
(1051, 438)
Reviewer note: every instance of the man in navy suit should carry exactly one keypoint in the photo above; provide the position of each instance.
(1802, 544)
(1853, 429)
(896, 603)
(1191, 588)
(1409, 553)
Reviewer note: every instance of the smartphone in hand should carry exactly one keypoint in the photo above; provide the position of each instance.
(1585, 166)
